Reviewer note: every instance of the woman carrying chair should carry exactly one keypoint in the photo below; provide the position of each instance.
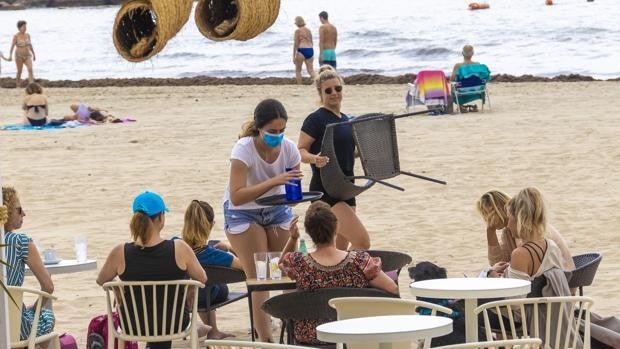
(329, 85)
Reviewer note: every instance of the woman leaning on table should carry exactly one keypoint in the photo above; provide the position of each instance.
(258, 164)
(330, 86)
(19, 252)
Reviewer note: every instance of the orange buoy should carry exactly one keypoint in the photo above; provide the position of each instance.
(479, 6)
(548, 2)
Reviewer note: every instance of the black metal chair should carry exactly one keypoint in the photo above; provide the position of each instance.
(222, 275)
(376, 142)
(312, 305)
(391, 260)
(585, 269)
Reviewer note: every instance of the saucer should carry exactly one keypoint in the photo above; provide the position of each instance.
(50, 262)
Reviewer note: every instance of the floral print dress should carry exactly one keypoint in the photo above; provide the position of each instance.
(355, 271)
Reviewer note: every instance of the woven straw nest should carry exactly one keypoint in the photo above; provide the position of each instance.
(221, 20)
(143, 27)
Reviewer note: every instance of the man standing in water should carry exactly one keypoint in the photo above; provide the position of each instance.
(328, 36)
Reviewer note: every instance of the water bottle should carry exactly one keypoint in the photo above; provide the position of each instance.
(293, 192)
(302, 247)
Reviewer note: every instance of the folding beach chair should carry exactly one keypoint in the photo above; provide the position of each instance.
(376, 142)
(430, 88)
(470, 85)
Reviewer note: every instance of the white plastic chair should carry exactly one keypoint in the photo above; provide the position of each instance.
(174, 293)
(15, 319)
(355, 307)
(224, 344)
(526, 343)
(566, 313)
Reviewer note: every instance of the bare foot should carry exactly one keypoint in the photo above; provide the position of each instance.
(204, 331)
(215, 334)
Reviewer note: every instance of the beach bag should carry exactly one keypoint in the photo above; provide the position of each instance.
(67, 341)
(98, 333)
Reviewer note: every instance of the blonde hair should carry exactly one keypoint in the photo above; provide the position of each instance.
(198, 223)
(140, 226)
(326, 72)
(299, 21)
(9, 199)
(496, 201)
(528, 208)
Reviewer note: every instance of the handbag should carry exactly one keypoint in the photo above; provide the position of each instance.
(67, 341)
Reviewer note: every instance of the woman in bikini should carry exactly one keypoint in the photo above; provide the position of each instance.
(24, 53)
(302, 49)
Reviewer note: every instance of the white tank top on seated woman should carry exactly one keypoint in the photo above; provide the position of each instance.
(259, 170)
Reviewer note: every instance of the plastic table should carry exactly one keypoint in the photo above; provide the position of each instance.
(67, 266)
(383, 331)
(470, 289)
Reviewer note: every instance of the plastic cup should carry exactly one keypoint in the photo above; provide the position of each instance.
(49, 255)
(274, 265)
(260, 263)
(81, 248)
(293, 192)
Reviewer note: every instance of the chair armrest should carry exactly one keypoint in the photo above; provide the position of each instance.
(34, 291)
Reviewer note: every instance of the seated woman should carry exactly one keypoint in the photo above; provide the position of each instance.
(19, 252)
(199, 220)
(149, 257)
(527, 218)
(492, 207)
(35, 105)
(327, 266)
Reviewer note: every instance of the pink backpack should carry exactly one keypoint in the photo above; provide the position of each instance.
(67, 341)
(98, 333)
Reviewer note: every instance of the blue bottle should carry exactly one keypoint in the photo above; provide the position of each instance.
(293, 192)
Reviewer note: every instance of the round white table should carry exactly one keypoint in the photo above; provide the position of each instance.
(383, 331)
(66, 266)
(470, 289)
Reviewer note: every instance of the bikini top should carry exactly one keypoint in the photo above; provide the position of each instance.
(23, 43)
(536, 253)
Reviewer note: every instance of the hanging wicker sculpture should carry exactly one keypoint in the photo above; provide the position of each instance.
(143, 27)
(221, 20)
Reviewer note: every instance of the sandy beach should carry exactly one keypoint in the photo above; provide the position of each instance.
(558, 136)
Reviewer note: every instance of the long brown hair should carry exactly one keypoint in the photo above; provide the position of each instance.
(198, 223)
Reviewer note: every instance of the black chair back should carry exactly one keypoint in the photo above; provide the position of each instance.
(585, 270)
(391, 260)
(222, 275)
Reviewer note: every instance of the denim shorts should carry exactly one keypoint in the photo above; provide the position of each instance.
(238, 221)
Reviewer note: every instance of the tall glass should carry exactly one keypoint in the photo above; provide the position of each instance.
(260, 263)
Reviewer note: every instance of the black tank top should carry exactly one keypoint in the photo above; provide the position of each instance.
(155, 263)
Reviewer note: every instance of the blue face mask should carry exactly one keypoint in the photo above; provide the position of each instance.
(272, 140)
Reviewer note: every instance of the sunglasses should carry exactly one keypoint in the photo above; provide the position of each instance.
(329, 90)
(19, 210)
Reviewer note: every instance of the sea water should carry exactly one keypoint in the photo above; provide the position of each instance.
(389, 37)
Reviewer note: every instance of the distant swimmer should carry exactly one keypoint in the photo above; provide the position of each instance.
(548, 2)
(479, 6)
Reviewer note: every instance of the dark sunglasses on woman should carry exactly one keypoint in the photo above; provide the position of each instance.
(329, 90)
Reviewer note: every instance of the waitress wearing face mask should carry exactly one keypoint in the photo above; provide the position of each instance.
(258, 164)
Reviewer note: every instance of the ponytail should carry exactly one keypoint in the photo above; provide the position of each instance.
(248, 129)
(140, 226)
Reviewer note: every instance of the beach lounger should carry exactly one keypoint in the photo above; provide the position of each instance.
(430, 88)
(470, 85)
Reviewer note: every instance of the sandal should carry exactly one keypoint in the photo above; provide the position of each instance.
(472, 108)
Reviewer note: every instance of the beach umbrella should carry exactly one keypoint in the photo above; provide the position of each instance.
(4, 299)
(143, 27)
(221, 20)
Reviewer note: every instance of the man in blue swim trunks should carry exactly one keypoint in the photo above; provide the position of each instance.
(328, 37)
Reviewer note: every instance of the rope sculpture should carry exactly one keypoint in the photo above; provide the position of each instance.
(221, 20)
(143, 27)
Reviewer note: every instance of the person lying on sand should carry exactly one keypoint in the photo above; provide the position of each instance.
(90, 115)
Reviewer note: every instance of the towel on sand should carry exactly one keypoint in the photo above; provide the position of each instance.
(68, 124)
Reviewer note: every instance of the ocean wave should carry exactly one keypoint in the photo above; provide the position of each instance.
(424, 52)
